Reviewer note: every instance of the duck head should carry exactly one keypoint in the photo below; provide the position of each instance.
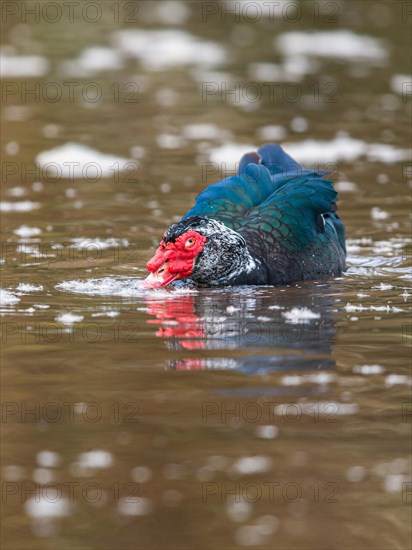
(202, 250)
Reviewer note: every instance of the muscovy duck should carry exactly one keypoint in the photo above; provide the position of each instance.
(273, 223)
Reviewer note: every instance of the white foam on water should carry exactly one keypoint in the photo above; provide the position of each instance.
(165, 49)
(346, 187)
(364, 241)
(252, 464)
(384, 309)
(106, 314)
(265, 72)
(93, 60)
(141, 474)
(345, 148)
(392, 247)
(43, 476)
(296, 67)
(75, 160)
(170, 141)
(318, 378)
(229, 155)
(355, 474)
(7, 298)
(352, 248)
(19, 206)
(293, 69)
(368, 369)
(29, 310)
(25, 231)
(394, 483)
(48, 459)
(397, 379)
(12, 472)
(272, 132)
(125, 287)
(397, 466)
(342, 44)
(381, 152)
(32, 250)
(379, 214)
(166, 97)
(17, 191)
(202, 131)
(299, 124)
(12, 148)
(83, 242)
(405, 295)
(267, 524)
(27, 287)
(69, 318)
(16, 113)
(300, 315)
(18, 66)
(340, 148)
(137, 507)
(383, 286)
(238, 509)
(401, 84)
(98, 459)
(267, 432)
(42, 506)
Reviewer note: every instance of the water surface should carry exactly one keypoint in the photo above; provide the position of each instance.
(202, 418)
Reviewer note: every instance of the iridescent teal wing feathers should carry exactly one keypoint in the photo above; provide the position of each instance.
(273, 198)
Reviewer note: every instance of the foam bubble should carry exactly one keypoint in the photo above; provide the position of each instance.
(27, 287)
(48, 459)
(95, 459)
(401, 84)
(75, 160)
(18, 66)
(340, 44)
(7, 298)
(19, 206)
(252, 464)
(138, 507)
(41, 506)
(300, 315)
(69, 318)
(93, 60)
(368, 369)
(25, 232)
(163, 49)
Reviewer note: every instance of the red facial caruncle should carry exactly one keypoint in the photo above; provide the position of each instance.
(174, 260)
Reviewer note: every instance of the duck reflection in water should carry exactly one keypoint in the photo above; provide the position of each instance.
(251, 330)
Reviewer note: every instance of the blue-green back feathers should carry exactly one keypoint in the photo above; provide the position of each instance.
(273, 195)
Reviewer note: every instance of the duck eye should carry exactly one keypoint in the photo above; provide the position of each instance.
(189, 242)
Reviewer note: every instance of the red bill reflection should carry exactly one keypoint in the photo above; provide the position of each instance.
(177, 319)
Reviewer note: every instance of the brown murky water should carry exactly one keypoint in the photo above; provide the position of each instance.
(183, 418)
